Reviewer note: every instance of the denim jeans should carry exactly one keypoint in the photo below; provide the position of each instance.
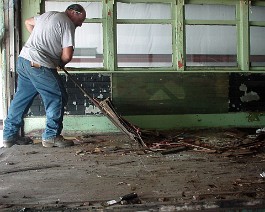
(32, 81)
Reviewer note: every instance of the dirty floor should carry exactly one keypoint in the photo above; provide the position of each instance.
(181, 170)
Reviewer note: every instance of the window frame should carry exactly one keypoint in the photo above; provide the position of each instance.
(171, 22)
(216, 23)
(109, 22)
(256, 24)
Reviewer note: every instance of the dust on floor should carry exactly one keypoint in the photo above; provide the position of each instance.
(181, 170)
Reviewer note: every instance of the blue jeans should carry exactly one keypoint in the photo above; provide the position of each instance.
(31, 81)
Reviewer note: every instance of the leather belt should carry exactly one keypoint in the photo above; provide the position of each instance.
(35, 65)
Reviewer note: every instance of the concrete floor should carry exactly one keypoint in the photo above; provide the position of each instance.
(225, 173)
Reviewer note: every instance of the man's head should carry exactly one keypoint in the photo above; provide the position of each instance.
(76, 13)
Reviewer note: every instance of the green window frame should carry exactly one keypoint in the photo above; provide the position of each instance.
(212, 23)
(257, 24)
(109, 23)
(172, 22)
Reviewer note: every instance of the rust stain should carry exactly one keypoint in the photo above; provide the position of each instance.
(180, 64)
(109, 13)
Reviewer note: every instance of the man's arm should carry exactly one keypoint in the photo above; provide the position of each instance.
(67, 55)
(30, 23)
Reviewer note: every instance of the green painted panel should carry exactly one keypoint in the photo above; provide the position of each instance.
(227, 120)
(170, 93)
(101, 124)
(75, 124)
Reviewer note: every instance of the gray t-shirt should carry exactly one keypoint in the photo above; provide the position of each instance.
(52, 32)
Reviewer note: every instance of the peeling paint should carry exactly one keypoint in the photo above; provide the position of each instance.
(248, 96)
(100, 96)
(243, 87)
(180, 64)
(251, 96)
(92, 109)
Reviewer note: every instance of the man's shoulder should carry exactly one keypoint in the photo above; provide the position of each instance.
(49, 13)
(53, 14)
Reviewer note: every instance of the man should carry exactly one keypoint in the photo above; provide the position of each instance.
(50, 45)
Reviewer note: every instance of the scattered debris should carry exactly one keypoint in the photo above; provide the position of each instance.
(241, 182)
(123, 199)
(31, 153)
(24, 209)
(224, 195)
(80, 152)
(97, 150)
(10, 163)
(230, 142)
(114, 162)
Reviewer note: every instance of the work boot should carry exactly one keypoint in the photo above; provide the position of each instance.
(58, 141)
(18, 140)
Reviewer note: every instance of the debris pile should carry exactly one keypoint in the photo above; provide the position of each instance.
(230, 142)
